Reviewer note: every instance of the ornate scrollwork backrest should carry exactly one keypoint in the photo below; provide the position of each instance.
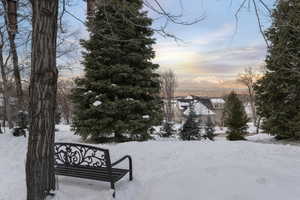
(69, 154)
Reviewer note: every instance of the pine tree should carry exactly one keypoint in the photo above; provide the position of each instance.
(191, 130)
(119, 93)
(235, 117)
(168, 130)
(209, 129)
(278, 94)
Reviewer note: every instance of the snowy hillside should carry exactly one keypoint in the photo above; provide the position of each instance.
(165, 170)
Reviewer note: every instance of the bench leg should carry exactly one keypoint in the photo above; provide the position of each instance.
(112, 186)
(130, 175)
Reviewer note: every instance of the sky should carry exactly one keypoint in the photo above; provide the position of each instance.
(210, 54)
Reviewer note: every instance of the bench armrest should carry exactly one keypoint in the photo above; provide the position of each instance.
(130, 164)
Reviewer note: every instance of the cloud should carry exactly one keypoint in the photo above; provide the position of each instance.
(220, 35)
(196, 65)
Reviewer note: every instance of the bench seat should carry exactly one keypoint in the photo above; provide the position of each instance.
(100, 173)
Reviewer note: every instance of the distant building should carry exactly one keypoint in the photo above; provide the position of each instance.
(204, 107)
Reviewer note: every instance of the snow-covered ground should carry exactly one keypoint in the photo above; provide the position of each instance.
(172, 170)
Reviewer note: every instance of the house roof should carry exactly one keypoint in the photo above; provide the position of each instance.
(205, 101)
(200, 109)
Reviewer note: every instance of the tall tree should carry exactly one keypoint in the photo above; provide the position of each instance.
(278, 96)
(10, 7)
(119, 92)
(168, 86)
(249, 78)
(64, 103)
(235, 117)
(3, 67)
(40, 177)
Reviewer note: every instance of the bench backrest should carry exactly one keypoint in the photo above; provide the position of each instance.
(79, 155)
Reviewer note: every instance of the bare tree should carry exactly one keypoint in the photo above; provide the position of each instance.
(3, 68)
(168, 85)
(248, 78)
(64, 103)
(10, 18)
(43, 85)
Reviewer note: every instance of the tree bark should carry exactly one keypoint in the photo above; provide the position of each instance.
(40, 177)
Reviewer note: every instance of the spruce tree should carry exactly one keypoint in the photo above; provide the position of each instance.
(168, 130)
(278, 93)
(235, 118)
(119, 92)
(191, 130)
(209, 129)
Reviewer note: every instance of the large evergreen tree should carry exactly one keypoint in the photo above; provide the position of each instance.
(191, 129)
(278, 92)
(119, 93)
(235, 117)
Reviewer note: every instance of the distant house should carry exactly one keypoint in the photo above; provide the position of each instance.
(204, 107)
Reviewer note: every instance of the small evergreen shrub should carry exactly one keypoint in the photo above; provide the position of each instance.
(191, 128)
(209, 129)
(236, 118)
(168, 130)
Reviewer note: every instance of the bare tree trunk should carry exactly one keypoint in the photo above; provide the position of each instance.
(40, 177)
(252, 104)
(16, 70)
(258, 125)
(7, 110)
(11, 24)
(168, 85)
(248, 78)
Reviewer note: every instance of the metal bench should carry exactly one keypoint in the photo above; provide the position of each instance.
(89, 162)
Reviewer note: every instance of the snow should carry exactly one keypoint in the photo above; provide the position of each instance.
(188, 97)
(146, 116)
(220, 130)
(171, 170)
(97, 103)
(88, 92)
(217, 100)
(261, 138)
(200, 109)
